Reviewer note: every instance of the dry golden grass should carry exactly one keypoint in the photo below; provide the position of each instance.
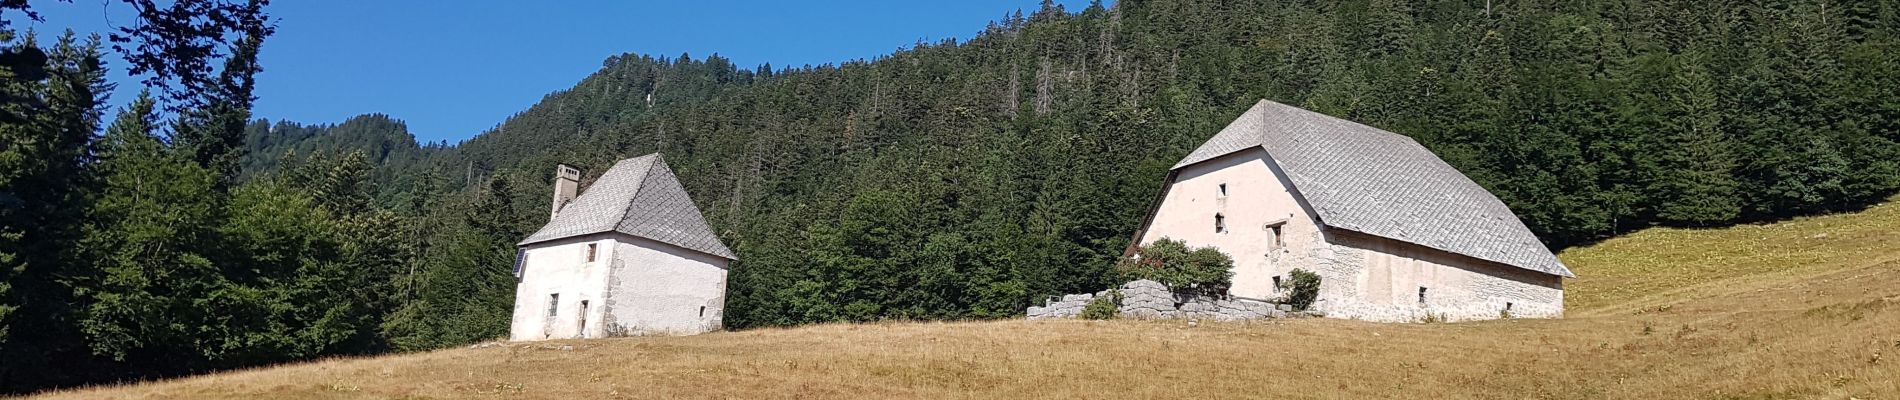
(1753, 312)
(1655, 266)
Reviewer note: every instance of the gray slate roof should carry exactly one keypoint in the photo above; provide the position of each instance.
(1367, 180)
(639, 196)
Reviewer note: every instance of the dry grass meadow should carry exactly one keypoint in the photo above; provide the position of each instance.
(1808, 308)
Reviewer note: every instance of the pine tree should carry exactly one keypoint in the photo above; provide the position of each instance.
(1391, 26)
(463, 285)
(214, 134)
(52, 102)
(1696, 185)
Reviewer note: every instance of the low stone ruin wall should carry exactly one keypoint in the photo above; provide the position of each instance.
(1146, 299)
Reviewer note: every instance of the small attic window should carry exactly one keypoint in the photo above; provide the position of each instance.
(1278, 232)
(1223, 190)
(592, 249)
(1220, 223)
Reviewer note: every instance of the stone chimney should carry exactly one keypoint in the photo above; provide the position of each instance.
(567, 184)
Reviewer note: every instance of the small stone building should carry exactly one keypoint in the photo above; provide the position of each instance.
(630, 256)
(1395, 233)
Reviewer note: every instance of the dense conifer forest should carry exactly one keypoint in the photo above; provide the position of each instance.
(947, 180)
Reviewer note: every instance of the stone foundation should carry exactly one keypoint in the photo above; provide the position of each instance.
(1146, 299)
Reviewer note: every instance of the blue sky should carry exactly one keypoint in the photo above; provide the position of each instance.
(455, 69)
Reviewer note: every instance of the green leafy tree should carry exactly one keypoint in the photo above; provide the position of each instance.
(176, 43)
(1204, 271)
(1302, 288)
(154, 213)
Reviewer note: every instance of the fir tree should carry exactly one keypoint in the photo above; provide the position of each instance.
(1696, 183)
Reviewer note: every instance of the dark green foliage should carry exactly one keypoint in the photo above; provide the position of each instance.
(1204, 271)
(284, 268)
(1301, 289)
(459, 288)
(145, 230)
(384, 140)
(213, 134)
(49, 113)
(135, 254)
(1695, 182)
(1104, 307)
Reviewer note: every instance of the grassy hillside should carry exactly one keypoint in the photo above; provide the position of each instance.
(1655, 267)
(1798, 309)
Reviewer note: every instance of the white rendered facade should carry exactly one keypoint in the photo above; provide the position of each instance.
(1363, 276)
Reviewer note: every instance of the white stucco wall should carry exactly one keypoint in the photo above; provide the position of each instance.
(1362, 276)
(635, 286)
(1255, 198)
(661, 289)
(561, 267)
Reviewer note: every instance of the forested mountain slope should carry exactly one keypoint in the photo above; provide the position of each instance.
(384, 141)
(966, 178)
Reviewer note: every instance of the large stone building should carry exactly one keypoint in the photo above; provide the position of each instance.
(630, 256)
(1395, 233)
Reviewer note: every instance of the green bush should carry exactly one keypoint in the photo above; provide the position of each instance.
(1204, 271)
(1104, 307)
(1302, 289)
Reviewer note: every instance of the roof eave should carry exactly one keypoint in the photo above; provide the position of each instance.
(1189, 161)
(729, 254)
(1562, 270)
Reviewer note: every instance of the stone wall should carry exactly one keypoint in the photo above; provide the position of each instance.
(1379, 279)
(1146, 299)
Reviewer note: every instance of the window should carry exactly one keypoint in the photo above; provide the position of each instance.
(702, 311)
(583, 318)
(592, 248)
(1276, 284)
(1277, 232)
(1220, 223)
(1421, 295)
(554, 305)
(1223, 190)
(1507, 306)
(521, 260)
